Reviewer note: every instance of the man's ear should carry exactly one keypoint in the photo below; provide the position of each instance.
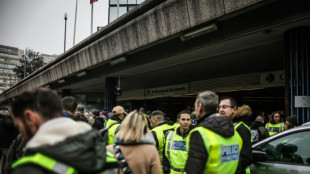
(29, 117)
(33, 119)
(200, 109)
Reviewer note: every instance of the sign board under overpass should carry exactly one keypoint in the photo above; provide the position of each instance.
(167, 90)
(302, 101)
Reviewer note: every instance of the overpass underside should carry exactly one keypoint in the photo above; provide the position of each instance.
(193, 45)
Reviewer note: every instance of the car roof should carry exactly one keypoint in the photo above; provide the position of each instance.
(303, 127)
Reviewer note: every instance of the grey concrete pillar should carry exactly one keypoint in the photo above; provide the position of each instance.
(297, 71)
(110, 89)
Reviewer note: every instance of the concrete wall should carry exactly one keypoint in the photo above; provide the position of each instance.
(166, 20)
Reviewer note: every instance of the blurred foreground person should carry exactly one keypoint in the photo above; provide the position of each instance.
(135, 147)
(56, 144)
(214, 145)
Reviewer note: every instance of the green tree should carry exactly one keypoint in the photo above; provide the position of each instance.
(30, 62)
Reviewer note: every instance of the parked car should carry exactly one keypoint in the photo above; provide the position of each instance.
(285, 152)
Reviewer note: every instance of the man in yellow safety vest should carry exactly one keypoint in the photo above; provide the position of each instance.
(214, 145)
(175, 145)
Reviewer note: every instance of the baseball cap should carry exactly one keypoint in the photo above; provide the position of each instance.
(117, 110)
(96, 113)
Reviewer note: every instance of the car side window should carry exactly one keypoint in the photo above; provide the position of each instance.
(292, 149)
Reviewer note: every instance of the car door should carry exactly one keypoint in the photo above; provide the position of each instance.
(289, 153)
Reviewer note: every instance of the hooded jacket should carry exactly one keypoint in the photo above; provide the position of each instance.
(72, 143)
(142, 157)
(197, 154)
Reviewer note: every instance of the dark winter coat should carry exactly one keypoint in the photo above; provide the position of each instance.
(246, 157)
(15, 152)
(8, 132)
(197, 154)
(263, 132)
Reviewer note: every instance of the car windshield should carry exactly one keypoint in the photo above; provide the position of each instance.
(293, 148)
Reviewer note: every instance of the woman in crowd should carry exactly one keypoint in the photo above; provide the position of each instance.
(275, 124)
(134, 146)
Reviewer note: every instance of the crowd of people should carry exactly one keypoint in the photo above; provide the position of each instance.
(57, 136)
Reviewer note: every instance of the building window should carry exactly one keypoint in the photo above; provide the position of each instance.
(124, 6)
(113, 2)
(122, 10)
(123, 2)
(113, 14)
(132, 2)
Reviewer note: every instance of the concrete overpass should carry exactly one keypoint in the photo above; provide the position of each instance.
(192, 44)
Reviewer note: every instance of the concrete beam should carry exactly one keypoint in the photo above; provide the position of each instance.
(166, 20)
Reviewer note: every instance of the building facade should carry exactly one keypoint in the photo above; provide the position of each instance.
(118, 8)
(9, 58)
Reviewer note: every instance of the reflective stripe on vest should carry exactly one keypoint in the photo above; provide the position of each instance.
(176, 170)
(176, 152)
(45, 162)
(274, 128)
(110, 158)
(223, 151)
(161, 137)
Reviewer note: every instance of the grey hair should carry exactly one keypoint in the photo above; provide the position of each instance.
(260, 118)
(209, 101)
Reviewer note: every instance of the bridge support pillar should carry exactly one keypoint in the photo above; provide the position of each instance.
(297, 67)
(110, 96)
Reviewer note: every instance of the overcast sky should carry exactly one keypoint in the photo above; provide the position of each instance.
(40, 25)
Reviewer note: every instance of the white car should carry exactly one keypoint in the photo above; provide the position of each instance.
(285, 152)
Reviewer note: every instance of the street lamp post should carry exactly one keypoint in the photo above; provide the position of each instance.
(25, 66)
(65, 31)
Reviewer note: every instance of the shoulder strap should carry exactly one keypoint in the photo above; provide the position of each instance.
(121, 159)
(45, 162)
(112, 125)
